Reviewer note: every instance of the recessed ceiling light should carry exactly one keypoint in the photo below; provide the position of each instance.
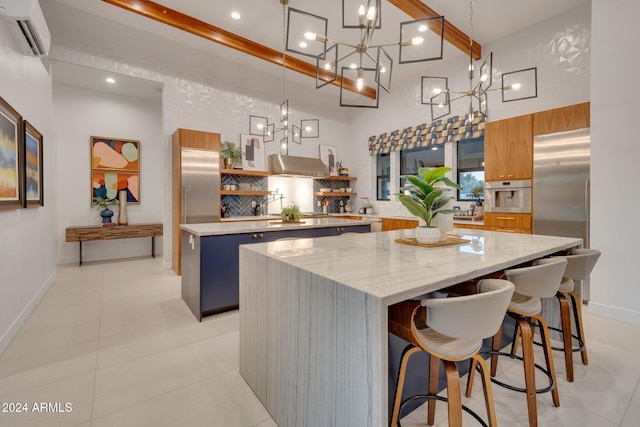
(110, 80)
(235, 15)
(422, 28)
(303, 44)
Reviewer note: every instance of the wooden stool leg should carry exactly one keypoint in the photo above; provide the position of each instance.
(495, 346)
(548, 355)
(401, 376)
(454, 396)
(565, 316)
(488, 392)
(472, 371)
(577, 314)
(529, 370)
(434, 373)
(514, 342)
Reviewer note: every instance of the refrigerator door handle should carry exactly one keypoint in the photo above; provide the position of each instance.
(587, 204)
(184, 204)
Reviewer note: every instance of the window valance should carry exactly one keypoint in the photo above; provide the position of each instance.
(422, 135)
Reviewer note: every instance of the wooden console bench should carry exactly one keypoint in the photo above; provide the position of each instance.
(97, 232)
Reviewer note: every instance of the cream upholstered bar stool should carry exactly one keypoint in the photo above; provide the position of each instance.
(580, 263)
(453, 331)
(541, 280)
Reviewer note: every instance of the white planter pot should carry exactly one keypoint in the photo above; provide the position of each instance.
(427, 235)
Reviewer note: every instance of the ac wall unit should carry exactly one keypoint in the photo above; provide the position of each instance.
(26, 24)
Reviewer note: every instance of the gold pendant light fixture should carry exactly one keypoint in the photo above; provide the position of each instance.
(516, 85)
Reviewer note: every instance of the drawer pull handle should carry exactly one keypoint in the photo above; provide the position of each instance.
(508, 218)
(506, 230)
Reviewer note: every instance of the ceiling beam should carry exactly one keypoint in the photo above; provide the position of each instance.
(215, 34)
(418, 10)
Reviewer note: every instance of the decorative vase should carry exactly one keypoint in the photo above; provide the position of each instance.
(427, 235)
(122, 212)
(228, 163)
(106, 215)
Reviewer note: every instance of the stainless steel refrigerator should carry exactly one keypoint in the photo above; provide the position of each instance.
(200, 180)
(561, 163)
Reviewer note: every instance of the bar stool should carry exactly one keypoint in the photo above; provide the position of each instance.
(542, 280)
(580, 263)
(453, 331)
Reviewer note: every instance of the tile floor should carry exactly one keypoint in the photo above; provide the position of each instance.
(115, 340)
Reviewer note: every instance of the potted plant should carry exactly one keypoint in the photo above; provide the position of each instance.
(231, 153)
(103, 205)
(426, 198)
(476, 192)
(291, 213)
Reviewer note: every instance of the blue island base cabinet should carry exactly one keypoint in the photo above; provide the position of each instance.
(211, 270)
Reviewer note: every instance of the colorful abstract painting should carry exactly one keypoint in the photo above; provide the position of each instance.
(106, 184)
(33, 165)
(10, 191)
(115, 154)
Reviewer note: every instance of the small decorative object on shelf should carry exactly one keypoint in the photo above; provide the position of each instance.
(103, 205)
(122, 212)
(342, 171)
(426, 198)
(232, 155)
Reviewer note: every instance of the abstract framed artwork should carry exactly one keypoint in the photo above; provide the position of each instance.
(252, 147)
(106, 184)
(11, 193)
(329, 155)
(115, 154)
(33, 174)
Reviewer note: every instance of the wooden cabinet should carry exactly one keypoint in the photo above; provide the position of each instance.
(508, 222)
(184, 138)
(389, 224)
(508, 149)
(562, 119)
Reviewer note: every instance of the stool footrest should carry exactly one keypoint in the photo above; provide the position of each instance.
(550, 387)
(442, 399)
(581, 345)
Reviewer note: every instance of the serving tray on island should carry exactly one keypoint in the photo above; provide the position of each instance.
(448, 242)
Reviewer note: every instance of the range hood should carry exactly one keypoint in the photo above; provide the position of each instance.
(292, 165)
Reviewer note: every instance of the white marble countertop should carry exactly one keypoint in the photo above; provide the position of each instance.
(235, 227)
(377, 265)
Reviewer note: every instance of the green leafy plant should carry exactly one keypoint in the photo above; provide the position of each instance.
(291, 213)
(427, 196)
(101, 203)
(476, 192)
(230, 150)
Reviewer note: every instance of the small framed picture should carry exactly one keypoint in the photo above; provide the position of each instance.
(329, 156)
(115, 154)
(33, 181)
(106, 184)
(11, 152)
(252, 147)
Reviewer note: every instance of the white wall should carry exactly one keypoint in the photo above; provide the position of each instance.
(27, 236)
(615, 153)
(79, 114)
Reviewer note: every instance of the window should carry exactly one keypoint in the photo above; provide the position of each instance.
(383, 173)
(470, 167)
(411, 160)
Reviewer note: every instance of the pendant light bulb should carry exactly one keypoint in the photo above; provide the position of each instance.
(360, 79)
(371, 14)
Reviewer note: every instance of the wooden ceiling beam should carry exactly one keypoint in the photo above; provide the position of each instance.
(418, 10)
(215, 34)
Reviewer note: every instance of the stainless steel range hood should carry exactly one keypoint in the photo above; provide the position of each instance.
(292, 165)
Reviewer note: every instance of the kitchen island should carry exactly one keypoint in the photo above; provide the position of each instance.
(209, 253)
(313, 314)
